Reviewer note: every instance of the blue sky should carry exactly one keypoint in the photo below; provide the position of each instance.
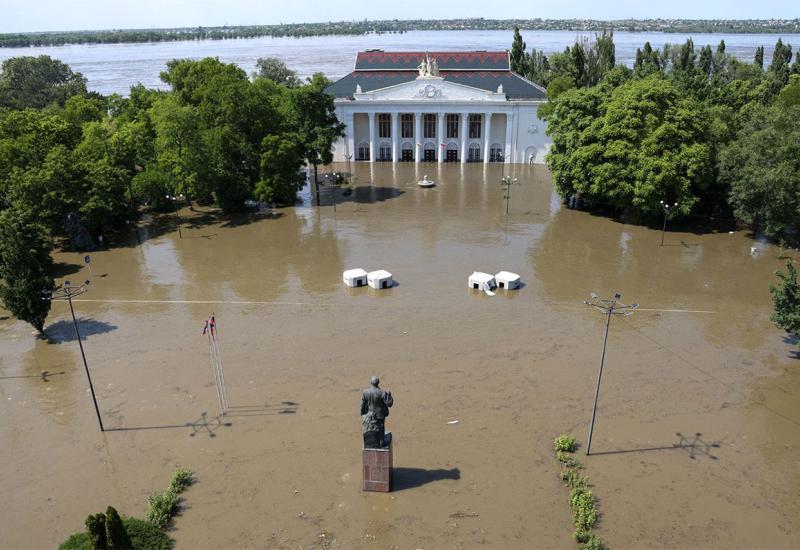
(41, 15)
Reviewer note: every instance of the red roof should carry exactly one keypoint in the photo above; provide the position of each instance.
(458, 61)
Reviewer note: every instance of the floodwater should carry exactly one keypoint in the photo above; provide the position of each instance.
(700, 358)
(113, 68)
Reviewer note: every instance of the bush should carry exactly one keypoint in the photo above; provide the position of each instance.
(567, 460)
(161, 507)
(146, 536)
(181, 479)
(593, 543)
(565, 443)
(143, 536)
(584, 512)
(116, 537)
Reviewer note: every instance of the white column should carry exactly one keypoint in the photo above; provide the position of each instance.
(372, 150)
(487, 136)
(440, 136)
(350, 135)
(395, 130)
(507, 149)
(417, 136)
(463, 138)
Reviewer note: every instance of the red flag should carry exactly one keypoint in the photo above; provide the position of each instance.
(211, 324)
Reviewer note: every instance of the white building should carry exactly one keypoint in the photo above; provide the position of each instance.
(438, 107)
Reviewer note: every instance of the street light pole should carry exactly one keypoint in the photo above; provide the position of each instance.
(609, 308)
(666, 208)
(174, 200)
(67, 292)
(507, 182)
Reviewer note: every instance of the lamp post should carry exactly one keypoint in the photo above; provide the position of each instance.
(666, 207)
(67, 292)
(174, 199)
(349, 168)
(507, 182)
(609, 308)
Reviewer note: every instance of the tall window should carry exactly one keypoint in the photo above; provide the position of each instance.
(429, 125)
(452, 126)
(363, 151)
(407, 125)
(474, 154)
(384, 125)
(474, 126)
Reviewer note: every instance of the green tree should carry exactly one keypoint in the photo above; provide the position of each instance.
(25, 267)
(96, 528)
(312, 115)
(518, 53)
(762, 168)
(116, 536)
(37, 82)
(633, 145)
(557, 86)
(277, 71)
(786, 300)
(790, 95)
(759, 58)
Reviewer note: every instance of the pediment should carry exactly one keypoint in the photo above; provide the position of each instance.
(429, 89)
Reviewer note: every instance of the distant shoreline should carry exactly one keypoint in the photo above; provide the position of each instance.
(358, 28)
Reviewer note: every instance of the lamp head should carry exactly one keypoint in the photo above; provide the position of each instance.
(617, 295)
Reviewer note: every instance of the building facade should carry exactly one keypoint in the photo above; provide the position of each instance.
(438, 107)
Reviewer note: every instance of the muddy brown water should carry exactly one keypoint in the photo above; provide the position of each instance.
(283, 470)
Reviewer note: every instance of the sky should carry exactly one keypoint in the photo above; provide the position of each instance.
(51, 15)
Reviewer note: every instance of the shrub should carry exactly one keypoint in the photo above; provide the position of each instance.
(143, 536)
(181, 479)
(161, 507)
(584, 511)
(593, 542)
(567, 460)
(116, 537)
(96, 529)
(581, 535)
(565, 443)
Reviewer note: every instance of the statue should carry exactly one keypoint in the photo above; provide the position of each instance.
(423, 67)
(375, 404)
(428, 67)
(358, 89)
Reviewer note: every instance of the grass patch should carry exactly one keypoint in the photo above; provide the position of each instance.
(581, 499)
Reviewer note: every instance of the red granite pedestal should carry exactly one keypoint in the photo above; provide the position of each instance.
(377, 469)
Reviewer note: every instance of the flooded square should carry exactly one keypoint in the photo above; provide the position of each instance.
(698, 424)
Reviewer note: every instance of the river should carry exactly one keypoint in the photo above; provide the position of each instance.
(113, 68)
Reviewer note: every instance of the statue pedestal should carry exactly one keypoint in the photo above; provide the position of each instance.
(376, 465)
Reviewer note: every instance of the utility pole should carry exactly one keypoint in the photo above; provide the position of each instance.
(67, 292)
(666, 207)
(609, 308)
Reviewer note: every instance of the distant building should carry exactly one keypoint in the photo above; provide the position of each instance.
(438, 107)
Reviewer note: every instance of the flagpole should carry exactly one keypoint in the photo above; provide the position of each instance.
(219, 363)
(214, 368)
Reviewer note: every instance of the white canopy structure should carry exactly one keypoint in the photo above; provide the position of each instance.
(507, 280)
(355, 277)
(379, 279)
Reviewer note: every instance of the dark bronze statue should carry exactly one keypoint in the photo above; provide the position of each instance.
(375, 404)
